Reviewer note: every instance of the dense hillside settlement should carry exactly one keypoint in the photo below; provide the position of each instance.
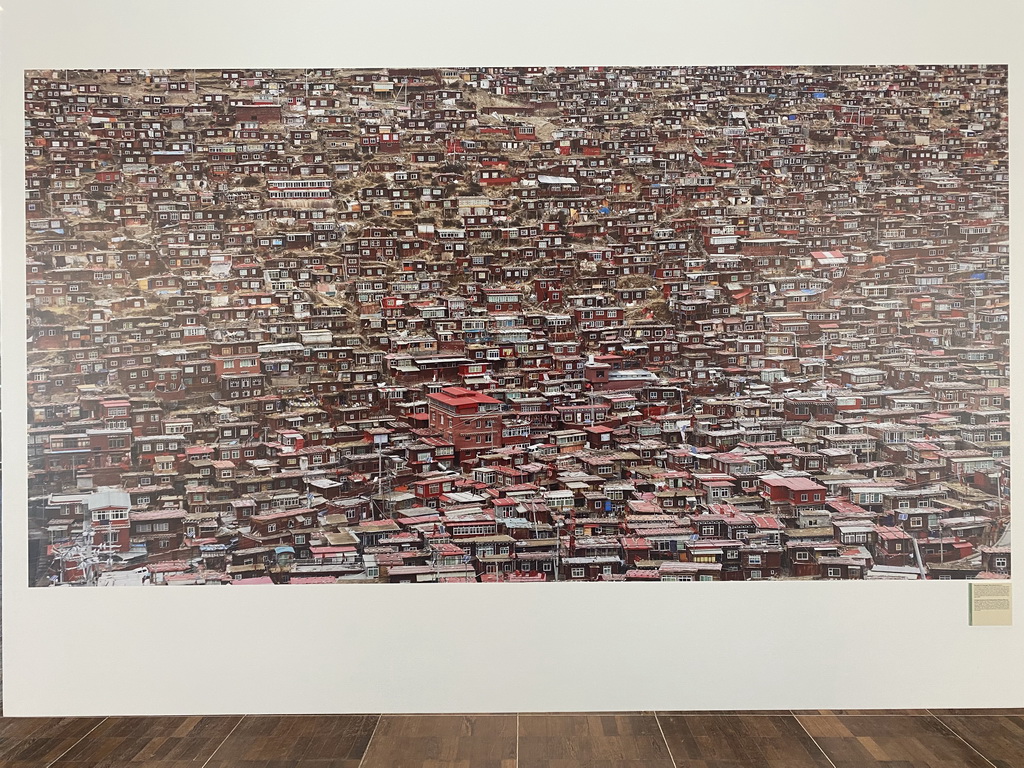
(517, 324)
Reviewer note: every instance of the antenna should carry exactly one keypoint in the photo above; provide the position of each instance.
(83, 551)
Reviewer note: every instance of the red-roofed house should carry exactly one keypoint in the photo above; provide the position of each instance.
(785, 495)
(468, 419)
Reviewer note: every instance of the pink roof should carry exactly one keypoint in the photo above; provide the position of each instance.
(643, 506)
(526, 577)
(645, 573)
(168, 566)
(846, 507)
(158, 514)
(447, 548)
(185, 577)
(891, 532)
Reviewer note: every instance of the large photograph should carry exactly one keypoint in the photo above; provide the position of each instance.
(517, 324)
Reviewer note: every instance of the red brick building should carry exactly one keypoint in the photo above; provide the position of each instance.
(468, 419)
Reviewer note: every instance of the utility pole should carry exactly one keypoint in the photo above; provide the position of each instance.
(974, 318)
(380, 467)
(558, 547)
(380, 440)
(999, 503)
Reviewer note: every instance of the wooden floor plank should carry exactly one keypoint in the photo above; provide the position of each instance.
(296, 741)
(167, 742)
(592, 741)
(626, 712)
(735, 741)
(1000, 738)
(31, 742)
(892, 741)
(994, 712)
(731, 712)
(443, 741)
(862, 712)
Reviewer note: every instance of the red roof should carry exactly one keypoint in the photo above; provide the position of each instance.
(629, 542)
(891, 532)
(793, 483)
(459, 396)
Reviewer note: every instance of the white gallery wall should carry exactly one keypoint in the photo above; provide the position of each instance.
(501, 647)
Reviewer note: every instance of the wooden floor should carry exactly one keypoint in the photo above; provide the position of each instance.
(813, 739)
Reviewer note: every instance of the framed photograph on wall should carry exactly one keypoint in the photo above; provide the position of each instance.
(474, 347)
